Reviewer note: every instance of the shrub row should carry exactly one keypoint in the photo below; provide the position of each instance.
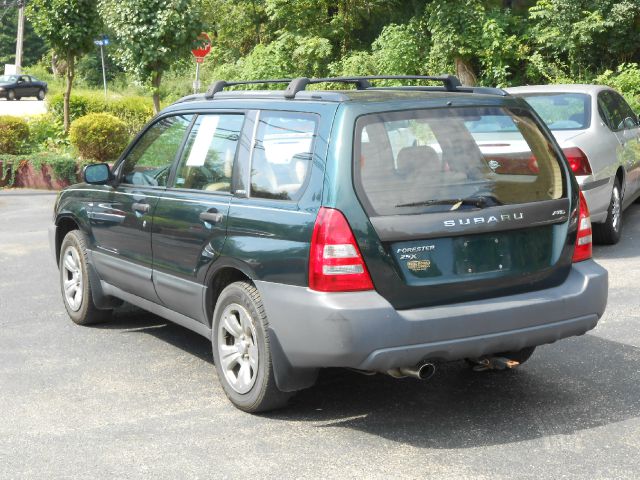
(133, 111)
(99, 136)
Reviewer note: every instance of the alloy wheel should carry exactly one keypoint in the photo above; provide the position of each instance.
(237, 348)
(72, 278)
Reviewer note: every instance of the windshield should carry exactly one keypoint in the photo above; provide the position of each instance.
(562, 111)
(453, 159)
(8, 78)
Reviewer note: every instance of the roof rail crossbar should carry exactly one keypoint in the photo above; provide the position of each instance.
(220, 85)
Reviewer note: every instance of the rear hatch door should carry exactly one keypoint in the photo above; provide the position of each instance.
(464, 203)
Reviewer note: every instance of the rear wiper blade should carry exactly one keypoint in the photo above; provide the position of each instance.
(480, 202)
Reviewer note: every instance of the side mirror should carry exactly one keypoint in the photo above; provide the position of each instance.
(97, 174)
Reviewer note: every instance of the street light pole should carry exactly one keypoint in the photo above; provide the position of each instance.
(20, 38)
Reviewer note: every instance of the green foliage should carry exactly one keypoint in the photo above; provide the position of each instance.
(134, 111)
(46, 133)
(99, 136)
(14, 134)
(401, 50)
(33, 47)
(626, 79)
(7, 172)
(152, 34)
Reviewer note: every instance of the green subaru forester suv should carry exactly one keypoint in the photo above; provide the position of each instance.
(375, 228)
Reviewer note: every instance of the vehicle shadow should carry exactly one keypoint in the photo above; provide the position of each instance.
(575, 385)
(628, 245)
(132, 319)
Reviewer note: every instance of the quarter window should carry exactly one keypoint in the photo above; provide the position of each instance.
(281, 158)
(207, 160)
(149, 161)
(615, 111)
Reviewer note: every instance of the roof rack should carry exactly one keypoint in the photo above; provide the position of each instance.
(450, 83)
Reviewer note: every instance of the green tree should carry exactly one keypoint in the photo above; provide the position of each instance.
(152, 35)
(68, 27)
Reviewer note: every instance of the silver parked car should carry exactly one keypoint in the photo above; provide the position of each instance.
(599, 133)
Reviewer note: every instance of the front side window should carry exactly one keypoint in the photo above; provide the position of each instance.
(281, 158)
(207, 160)
(149, 162)
(562, 111)
(440, 160)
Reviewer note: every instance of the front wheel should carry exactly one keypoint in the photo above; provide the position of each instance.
(242, 352)
(75, 283)
(41, 94)
(608, 233)
(11, 95)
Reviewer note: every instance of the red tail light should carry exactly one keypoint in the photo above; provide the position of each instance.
(583, 250)
(335, 262)
(578, 161)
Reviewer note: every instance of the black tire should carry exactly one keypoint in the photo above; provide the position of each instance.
(41, 94)
(11, 95)
(262, 394)
(81, 308)
(609, 232)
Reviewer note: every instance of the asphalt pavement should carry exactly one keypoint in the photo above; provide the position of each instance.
(23, 107)
(138, 397)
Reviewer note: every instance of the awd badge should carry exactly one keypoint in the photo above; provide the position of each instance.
(418, 265)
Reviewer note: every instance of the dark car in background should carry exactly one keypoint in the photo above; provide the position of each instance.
(372, 229)
(15, 87)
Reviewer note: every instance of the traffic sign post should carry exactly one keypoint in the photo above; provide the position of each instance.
(202, 48)
(103, 42)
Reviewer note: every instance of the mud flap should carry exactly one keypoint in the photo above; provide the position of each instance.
(288, 378)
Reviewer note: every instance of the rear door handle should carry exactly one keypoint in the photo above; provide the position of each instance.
(140, 207)
(212, 216)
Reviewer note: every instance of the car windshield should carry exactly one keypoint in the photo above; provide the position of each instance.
(562, 111)
(437, 160)
(8, 78)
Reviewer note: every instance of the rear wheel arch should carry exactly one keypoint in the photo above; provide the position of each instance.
(222, 278)
(64, 225)
(620, 175)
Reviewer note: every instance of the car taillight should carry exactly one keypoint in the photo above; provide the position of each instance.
(578, 161)
(335, 262)
(583, 250)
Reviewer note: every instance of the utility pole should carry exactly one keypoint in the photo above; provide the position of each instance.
(20, 39)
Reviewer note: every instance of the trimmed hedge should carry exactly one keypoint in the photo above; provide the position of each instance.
(99, 136)
(14, 134)
(135, 112)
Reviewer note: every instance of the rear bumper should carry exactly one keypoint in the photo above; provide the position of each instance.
(362, 330)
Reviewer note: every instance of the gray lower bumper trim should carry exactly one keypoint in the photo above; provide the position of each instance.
(362, 330)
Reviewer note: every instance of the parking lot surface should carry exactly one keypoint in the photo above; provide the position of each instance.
(138, 397)
(23, 107)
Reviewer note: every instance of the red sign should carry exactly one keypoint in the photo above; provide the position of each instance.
(201, 47)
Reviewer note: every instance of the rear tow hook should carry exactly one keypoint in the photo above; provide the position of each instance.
(493, 363)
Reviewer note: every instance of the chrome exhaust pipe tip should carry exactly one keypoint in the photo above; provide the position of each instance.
(422, 371)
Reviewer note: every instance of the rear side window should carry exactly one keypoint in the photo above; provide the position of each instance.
(615, 111)
(281, 157)
(562, 111)
(207, 159)
(452, 159)
(149, 161)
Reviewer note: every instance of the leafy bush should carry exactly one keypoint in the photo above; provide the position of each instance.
(14, 134)
(134, 111)
(99, 136)
(45, 133)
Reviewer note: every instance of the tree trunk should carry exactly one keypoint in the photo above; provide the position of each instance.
(465, 73)
(155, 82)
(67, 92)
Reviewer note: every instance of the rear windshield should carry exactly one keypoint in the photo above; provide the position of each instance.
(439, 160)
(562, 111)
